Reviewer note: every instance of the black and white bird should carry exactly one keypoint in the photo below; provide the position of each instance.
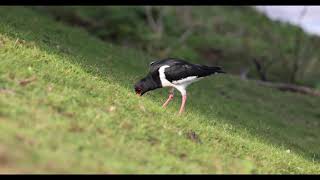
(175, 74)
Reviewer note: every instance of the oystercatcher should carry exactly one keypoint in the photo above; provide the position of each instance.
(175, 74)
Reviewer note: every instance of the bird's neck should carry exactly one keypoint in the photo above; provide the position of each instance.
(151, 83)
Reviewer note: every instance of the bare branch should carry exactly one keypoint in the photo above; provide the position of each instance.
(150, 18)
(260, 70)
(299, 36)
(155, 24)
(291, 88)
(303, 13)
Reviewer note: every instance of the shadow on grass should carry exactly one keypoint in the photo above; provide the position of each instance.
(282, 119)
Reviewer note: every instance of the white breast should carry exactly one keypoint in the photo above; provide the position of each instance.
(164, 81)
(180, 85)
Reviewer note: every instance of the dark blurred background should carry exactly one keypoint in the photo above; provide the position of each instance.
(263, 43)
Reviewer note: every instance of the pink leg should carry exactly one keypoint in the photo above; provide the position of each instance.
(184, 99)
(168, 100)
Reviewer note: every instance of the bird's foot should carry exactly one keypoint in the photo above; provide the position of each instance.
(168, 100)
(181, 111)
(184, 98)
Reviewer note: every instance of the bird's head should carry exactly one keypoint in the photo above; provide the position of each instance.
(140, 87)
(144, 85)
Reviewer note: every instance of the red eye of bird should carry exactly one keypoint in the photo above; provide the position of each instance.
(138, 90)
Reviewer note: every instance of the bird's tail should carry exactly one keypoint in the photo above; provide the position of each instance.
(212, 69)
(217, 69)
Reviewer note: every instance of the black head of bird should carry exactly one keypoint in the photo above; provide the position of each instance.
(146, 84)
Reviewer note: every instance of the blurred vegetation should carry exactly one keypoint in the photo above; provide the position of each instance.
(232, 37)
(67, 105)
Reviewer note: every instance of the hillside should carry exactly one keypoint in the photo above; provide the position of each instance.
(230, 36)
(67, 104)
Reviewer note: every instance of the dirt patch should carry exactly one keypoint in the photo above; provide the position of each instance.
(61, 111)
(183, 156)
(126, 125)
(25, 82)
(8, 162)
(6, 91)
(69, 114)
(4, 158)
(75, 128)
(19, 42)
(153, 140)
(224, 94)
(193, 137)
(25, 140)
(1, 42)
(11, 76)
(100, 130)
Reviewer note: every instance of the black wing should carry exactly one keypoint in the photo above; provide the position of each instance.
(155, 65)
(181, 71)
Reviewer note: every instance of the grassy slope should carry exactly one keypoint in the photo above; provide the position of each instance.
(81, 114)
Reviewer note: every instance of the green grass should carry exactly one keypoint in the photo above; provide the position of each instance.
(81, 115)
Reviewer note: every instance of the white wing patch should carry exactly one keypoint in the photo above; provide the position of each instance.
(185, 81)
